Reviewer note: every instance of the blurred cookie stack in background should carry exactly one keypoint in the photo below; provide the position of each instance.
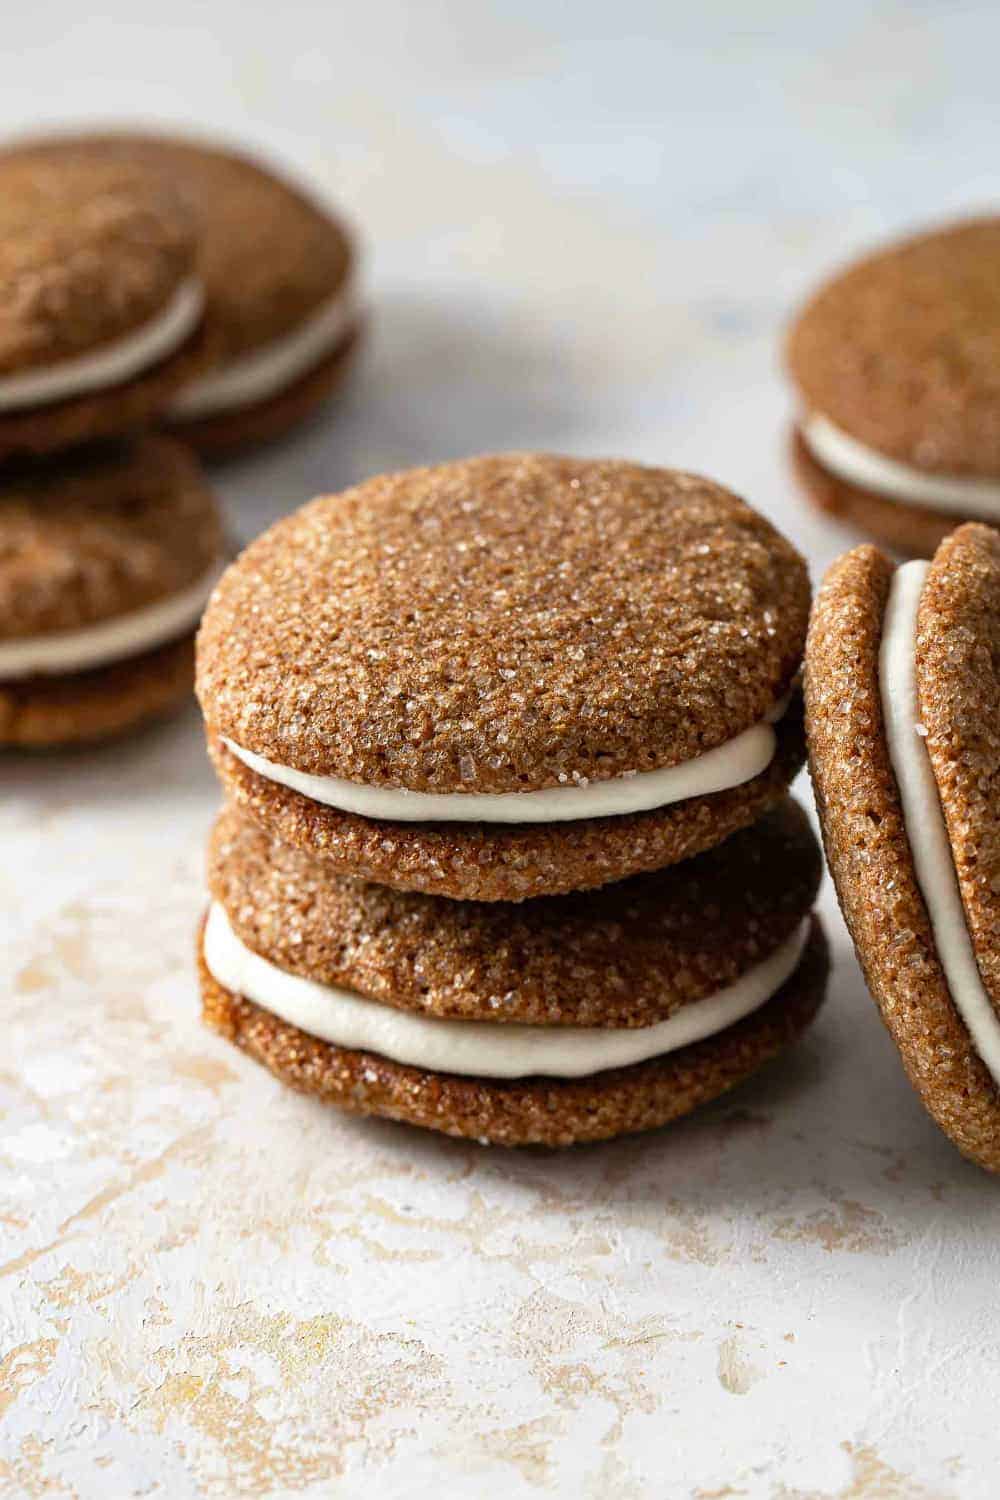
(160, 297)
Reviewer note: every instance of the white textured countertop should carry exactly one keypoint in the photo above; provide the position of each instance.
(211, 1287)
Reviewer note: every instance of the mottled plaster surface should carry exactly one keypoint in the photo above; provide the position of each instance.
(209, 1287)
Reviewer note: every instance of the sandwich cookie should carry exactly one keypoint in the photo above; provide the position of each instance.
(903, 712)
(281, 281)
(105, 568)
(509, 677)
(103, 300)
(897, 367)
(565, 1019)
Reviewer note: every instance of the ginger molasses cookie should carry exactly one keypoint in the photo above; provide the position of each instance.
(105, 566)
(903, 712)
(102, 299)
(510, 676)
(565, 1019)
(896, 362)
(280, 273)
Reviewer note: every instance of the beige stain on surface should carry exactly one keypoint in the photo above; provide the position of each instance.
(846, 1226)
(871, 1479)
(333, 1383)
(736, 1371)
(21, 1367)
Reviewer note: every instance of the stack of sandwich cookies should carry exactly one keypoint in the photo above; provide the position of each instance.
(282, 302)
(106, 562)
(103, 300)
(896, 364)
(903, 703)
(509, 677)
(484, 686)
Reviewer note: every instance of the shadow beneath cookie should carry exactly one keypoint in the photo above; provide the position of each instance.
(441, 377)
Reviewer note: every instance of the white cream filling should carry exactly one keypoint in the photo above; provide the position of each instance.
(483, 1048)
(728, 765)
(274, 366)
(112, 364)
(110, 640)
(923, 819)
(851, 460)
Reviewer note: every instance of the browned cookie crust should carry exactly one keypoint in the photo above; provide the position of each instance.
(271, 254)
(51, 712)
(630, 954)
(227, 433)
(271, 257)
(910, 530)
(89, 251)
(902, 350)
(958, 677)
(104, 534)
(504, 624)
(532, 1111)
(870, 859)
(512, 862)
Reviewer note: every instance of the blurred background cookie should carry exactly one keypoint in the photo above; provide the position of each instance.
(102, 299)
(105, 566)
(896, 364)
(281, 277)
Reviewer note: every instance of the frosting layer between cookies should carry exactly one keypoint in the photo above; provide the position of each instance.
(852, 461)
(99, 645)
(274, 366)
(728, 765)
(923, 818)
(111, 364)
(482, 1048)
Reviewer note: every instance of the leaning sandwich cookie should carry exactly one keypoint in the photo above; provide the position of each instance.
(896, 365)
(103, 300)
(565, 1019)
(509, 677)
(106, 563)
(283, 305)
(903, 712)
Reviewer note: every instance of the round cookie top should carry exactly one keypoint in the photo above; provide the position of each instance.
(958, 683)
(504, 624)
(628, 955)
(902, 350)
(108, 533)
(271, 255)
(90, 251)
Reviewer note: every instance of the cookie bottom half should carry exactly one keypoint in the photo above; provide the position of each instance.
(85, 707)
(227, 433)
(910, 530)
(529, 1111)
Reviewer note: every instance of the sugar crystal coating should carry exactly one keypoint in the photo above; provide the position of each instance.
(504, 624)
(629, 954)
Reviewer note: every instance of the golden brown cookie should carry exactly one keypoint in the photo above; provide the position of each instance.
(512, 862)
(531, 1111)
(106, 561)
(629, 954)
(83, 708)
(508, 1023)
(918, 883)
(896, 364)
(277, 265)
(102, 298)
(513, 625)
